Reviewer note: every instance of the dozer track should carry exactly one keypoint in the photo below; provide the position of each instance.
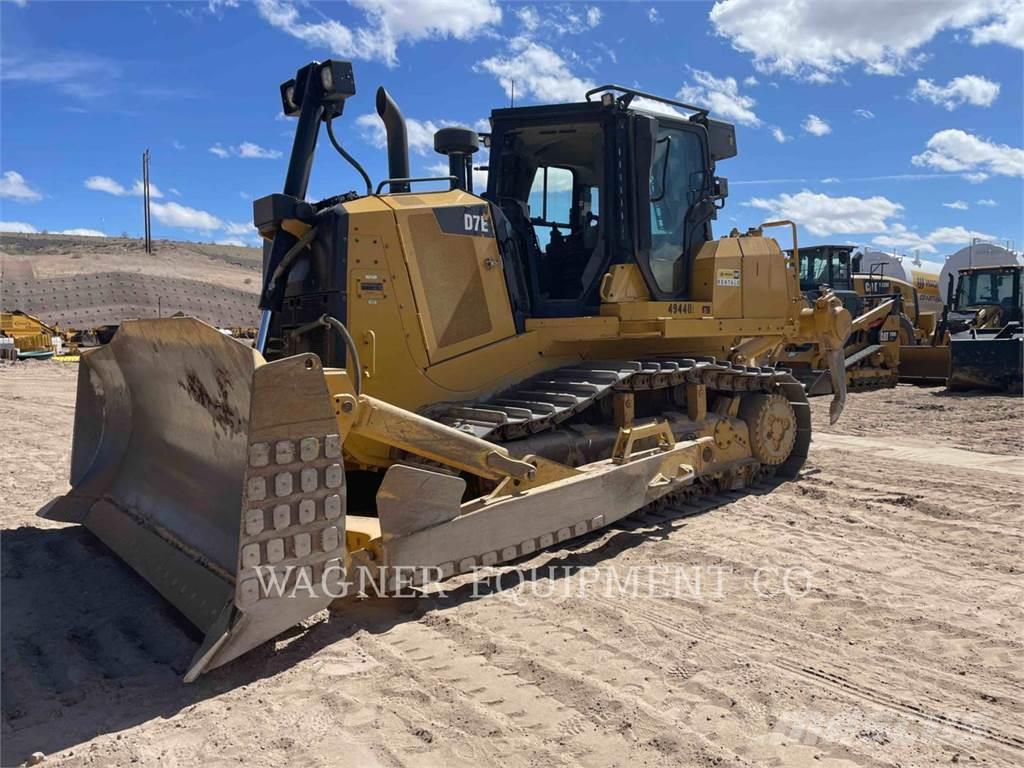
(554, 397)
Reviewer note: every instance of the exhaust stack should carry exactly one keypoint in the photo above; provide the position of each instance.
(398, 140)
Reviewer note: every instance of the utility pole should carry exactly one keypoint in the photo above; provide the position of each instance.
(145, 201)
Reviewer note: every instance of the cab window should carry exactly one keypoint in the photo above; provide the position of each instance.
(980, 289)
(551, 202)
(840, 270)
(677, 182)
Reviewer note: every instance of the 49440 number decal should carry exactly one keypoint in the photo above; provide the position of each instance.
(688, 308)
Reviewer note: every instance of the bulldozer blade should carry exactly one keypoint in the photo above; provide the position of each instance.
(215, 475)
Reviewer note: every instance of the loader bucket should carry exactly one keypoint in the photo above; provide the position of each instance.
(215, 475)
(987, 359)
(923, 362)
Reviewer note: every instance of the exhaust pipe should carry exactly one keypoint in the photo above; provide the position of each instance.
(398, 140)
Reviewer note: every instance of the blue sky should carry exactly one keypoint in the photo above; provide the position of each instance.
(892, 124)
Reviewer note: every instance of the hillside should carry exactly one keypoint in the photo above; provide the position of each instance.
(89, 281)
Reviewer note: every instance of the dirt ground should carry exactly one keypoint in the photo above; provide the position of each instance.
(899, 642)
(43, 256)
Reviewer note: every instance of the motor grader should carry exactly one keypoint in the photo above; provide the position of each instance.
(444, 380)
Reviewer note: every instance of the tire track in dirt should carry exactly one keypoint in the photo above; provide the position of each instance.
(595, 676)
(821, 677)
(721, 553)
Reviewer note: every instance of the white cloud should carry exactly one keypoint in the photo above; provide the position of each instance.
(14, 187)
(528, 17)
(830, 180)
(560, 19)
(420, 132)
(780, 136)
(899, 236)
(250, 150)
(183, 217)
(24, 228)
(105, 184)
(80, 76)
(172, 190)
(956, 205)
(816, 126)
(112, 187)
(957, 235)
(967, 89)
(17, 227)
(1006, 28)
(246, 150)
(386, 24)
(653, 16)
(750, 81)
(721, 95)
(239, 228)
(823, 215)
(538, 72)
(955, 150)
(988, 203)
(232, 241)
(82, 232)
(177, 145)
(867, 114)
(882, 37)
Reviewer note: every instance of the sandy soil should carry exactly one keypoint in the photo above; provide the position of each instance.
(899, 644)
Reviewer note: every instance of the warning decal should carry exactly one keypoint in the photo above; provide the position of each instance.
(729, 277)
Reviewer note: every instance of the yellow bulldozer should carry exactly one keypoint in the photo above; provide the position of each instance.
(444, 380)
(886, 318)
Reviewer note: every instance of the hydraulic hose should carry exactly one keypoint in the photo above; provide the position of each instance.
(351, 160)
(289, 257)
(341, 330)
(356, 372)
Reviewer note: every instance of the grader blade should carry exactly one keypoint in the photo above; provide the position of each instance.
(215, 475)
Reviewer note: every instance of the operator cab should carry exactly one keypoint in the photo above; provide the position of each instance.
(991, 287)
(588, 185)
(826, 265)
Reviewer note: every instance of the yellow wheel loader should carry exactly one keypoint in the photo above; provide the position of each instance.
(444, 380)
(985, 322)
